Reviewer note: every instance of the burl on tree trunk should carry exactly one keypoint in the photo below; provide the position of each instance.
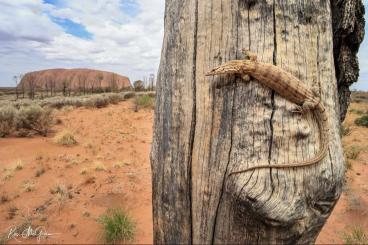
(203, 132)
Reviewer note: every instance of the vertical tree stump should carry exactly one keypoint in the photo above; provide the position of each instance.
(202, 133)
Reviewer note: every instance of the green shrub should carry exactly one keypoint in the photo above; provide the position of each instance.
(34, 118)
(356, 236)
(7, 120)
(362, 121)
(145, 101)
(65, 137)
(117, 226)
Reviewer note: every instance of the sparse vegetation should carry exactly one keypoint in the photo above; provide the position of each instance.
(83, 171)
(118, 226)
(33, 118)
(65, 138)
(362, 121)
(145, 101)
(359, 112)
(63, 193)
(12, 212)
(18, 165)
(4, 198)
(348, 164)
(355, 236)
(8, 174)
(100, 166)
(28, 186)
(118, 165)
(345, 130)
(352, 152)
(40, 172)
(7, 120)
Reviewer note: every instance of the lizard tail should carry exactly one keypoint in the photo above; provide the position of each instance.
(321, 115)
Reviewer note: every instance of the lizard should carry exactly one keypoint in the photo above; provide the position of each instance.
(288, 86)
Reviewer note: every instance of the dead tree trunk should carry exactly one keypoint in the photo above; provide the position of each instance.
(202, 133)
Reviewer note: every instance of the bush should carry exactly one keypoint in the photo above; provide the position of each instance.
(65, 137)
(128, 95)
(145, 101)
(97, 101)
(114, 98)
(117, 226)
(7, 120)
(34, 118)
(362, 121)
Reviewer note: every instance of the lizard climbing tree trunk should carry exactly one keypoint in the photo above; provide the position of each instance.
(203, 132)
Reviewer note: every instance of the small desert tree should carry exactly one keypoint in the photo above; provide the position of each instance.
(138, 85)
(112, 83)
(16, 80)
(31, 80)
(82, 79)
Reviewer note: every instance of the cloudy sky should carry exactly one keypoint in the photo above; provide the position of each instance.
(123, 36)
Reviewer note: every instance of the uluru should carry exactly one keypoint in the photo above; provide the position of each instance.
(74, 80)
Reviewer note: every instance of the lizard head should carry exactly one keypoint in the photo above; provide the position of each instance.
(232, 67)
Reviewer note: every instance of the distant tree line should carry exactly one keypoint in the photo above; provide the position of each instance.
(48, 87)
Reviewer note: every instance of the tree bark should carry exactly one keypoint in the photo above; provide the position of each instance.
(348, 31)
(202, 133)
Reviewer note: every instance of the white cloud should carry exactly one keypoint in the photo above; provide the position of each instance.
(121, 43)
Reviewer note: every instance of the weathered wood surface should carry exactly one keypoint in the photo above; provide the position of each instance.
(202, 132)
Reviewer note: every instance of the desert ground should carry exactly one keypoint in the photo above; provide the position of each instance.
(109, 167)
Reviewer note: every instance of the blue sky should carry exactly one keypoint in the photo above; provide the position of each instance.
(123, 36)
(73, 28)
(362, 83)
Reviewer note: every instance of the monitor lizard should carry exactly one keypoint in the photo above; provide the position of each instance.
(287, 86)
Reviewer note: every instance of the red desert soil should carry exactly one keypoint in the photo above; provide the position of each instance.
(76, 78)
(117, 134)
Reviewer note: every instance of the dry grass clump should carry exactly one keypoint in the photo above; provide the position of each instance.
(18, 165)
(62, 192)
(28, 186)
(355, 236)
(352, 152)
(118, 165)
(83, 171)
(65, 138)
(100, 166)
